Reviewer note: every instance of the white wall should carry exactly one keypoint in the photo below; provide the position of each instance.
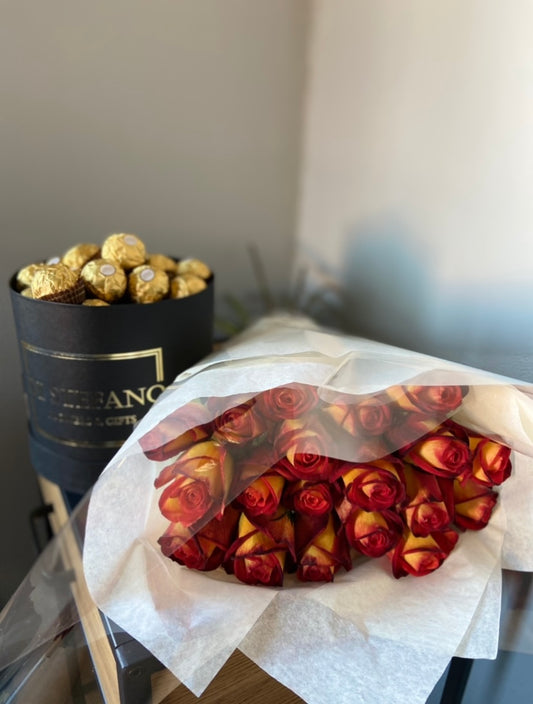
(417, 172)
(178, 120)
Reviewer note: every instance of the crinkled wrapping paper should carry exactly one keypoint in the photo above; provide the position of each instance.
(345, 641)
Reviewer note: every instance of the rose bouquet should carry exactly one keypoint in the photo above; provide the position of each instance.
(297, 506)
(276, 492)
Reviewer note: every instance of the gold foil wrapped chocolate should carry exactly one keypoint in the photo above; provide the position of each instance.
(105, 279)
(193, 266)
(57, 283)
(127, 250)
(148, 284)
(117, 270)
(95, 303)
(76, 257)
(161, 261)
(186, 285)
(26, 274)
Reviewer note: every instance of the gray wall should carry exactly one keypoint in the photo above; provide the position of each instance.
(178, 121)
(416, 173)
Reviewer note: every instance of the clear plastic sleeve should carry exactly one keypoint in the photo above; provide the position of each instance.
(290, 399)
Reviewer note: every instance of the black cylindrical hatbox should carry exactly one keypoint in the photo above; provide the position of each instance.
(90, 373)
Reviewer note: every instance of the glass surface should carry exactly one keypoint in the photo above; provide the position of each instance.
(59, 672)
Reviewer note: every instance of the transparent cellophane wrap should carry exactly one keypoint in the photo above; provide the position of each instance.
(346, 640)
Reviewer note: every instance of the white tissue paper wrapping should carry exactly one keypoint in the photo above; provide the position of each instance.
(366, 632)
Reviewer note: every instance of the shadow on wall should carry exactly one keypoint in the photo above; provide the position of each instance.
(386, 281)
(395, 296)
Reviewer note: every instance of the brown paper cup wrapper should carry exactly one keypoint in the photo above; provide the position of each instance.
(90, 373)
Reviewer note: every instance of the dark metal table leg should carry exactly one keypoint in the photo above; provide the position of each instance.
(456, 681)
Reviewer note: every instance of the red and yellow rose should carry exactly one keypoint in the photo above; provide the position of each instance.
(263, 496)
(176, 432)
(428, 399)
(474, 503)
(311, 498)
(205, 549)
(261, 550)
(442, 452)
(373, 533)
(288, 483)
(429, 505)
(304, 444)
(375, 485)
(239, 424)
(197, 482)
(420, 556)
(491, 461)
(321, 549)
(286, 402)
(368, 416)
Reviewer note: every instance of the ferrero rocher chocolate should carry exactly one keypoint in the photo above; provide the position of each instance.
(119, 270)
(94, 302)
(148, 284)
(76, 257)
(186, 285)
(57, 283)
(105, 279)
(193, 266)
(161, 261)
(26, 274)
(127, 250)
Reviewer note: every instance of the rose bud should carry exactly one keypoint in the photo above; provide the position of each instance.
(371, 416)
(373, 533)
(320, 557)
(474, 504)
(176, 432)
(207, 459)
(285, 402)
(363, 450)
(201, 478)
(185, 500)
(375, 485)
(491, 463)
(255, 462)
(428, 399)
(239, 424)
(307, 466)
(260, 551)
(311, 498)
(302, 444)
(204, 550)
(413, 426)
(262, 496)
(441, 453)
(429, 506)
(419, 556)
